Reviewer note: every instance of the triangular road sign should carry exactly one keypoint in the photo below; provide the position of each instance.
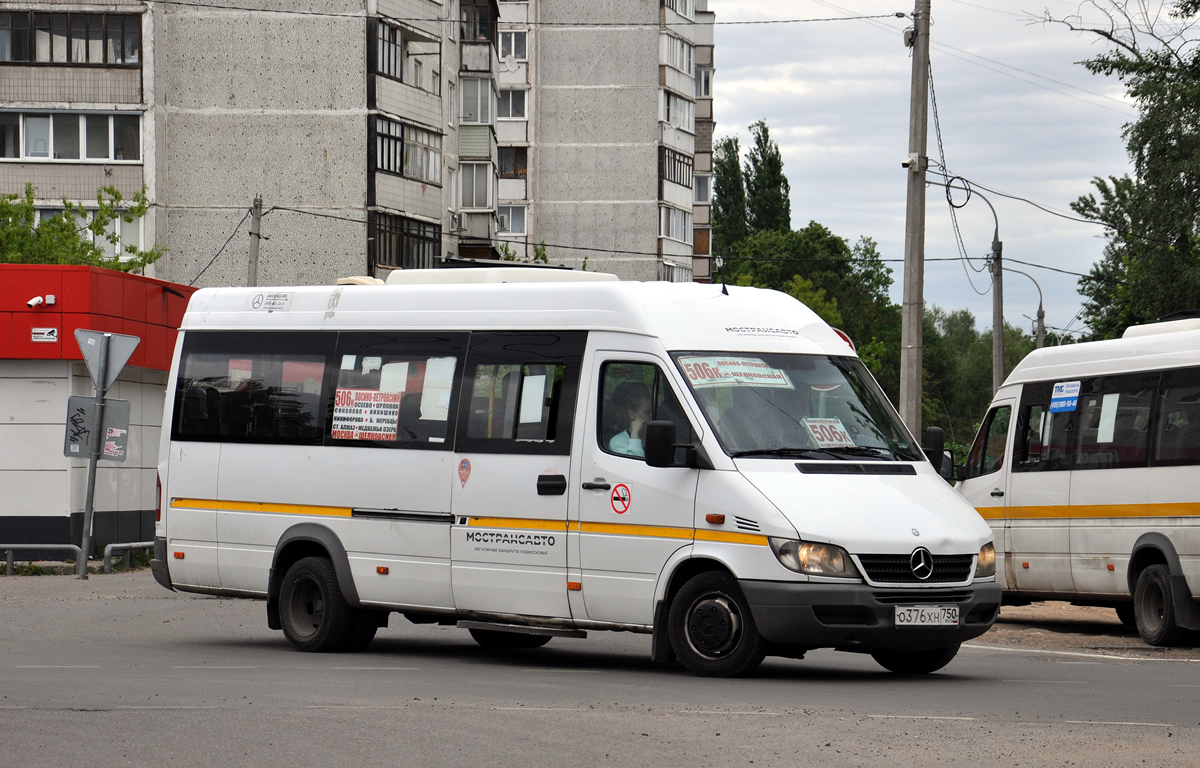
(120, 348)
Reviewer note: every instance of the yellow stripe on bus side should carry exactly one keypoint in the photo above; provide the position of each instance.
(731, 538)
(626, 529)
(517, 522)
(257, 506)
(1091, 511)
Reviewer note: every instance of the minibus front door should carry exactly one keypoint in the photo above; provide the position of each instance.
(984, 484)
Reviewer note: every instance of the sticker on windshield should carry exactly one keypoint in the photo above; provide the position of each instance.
(828, 433)
(1065, 396)
(732, 371)
(365, 414)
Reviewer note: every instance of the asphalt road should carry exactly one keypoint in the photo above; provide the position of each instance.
(118, 671)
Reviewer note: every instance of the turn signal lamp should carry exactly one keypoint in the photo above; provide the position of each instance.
(178, 555)
(715, 519)
(382, 570)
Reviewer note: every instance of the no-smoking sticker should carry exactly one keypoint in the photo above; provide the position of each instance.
(620, 498)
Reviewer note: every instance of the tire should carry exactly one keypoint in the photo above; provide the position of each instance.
(494, 639)
(711, 628)
(312, 610)
(1125, 613)
(915, 662)
(363, 627)
(1154, 607)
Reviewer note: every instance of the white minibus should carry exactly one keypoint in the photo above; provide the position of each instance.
(535, 454)
(1086, 467)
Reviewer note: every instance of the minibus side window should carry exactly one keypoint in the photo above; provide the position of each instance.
(1043, 437)
(395, 389)
(1114, 421)
(519, 392)
(987, 453)
(1177, 435)
(632, 394)
(252, 387)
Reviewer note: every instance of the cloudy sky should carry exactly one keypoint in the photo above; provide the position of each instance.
(1018, 114)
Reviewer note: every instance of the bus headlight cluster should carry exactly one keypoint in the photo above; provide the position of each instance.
(813, 559)
(986, 565)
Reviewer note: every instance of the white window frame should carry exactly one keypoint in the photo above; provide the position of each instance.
(505, 96)
(703, 195)
(675, 224)
(484, 106)
(490, 175)
(511, 36)
(678, 111)
(679, 53)
(137, 228)
(704, 82)
(22, 157)
(508, 210)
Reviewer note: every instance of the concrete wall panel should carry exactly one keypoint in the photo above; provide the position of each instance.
(598, 115)
(54, 181)
(412, 197)
(589, 172)
(590, 56)
(410, 103)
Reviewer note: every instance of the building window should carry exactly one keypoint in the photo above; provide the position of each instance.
(127, 234)
(477, 101)
(400, 242)
(513, 44)
(679, 112)
(476, 22)
(70, 38)
(511, 105)
(515, 217)
(704, 78)
(679, 54)
(452, 101)
(389, 60)
(700, 241)
(703, 185)
(476, 185)
(685, 8)
(408, 151)
(672, 272)
(70, 136)
(514, 162)
(675, 167)
(675, 224)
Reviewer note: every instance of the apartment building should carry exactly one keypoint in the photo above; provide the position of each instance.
(604, 124)
(380, 134)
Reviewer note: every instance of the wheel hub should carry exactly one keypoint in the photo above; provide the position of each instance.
(713, 625)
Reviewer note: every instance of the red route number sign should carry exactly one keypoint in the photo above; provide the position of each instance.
(621, 498)
(828, 433)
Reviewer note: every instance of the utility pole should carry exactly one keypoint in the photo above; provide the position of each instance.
(913, 311)
(255, 225)
(997, 312)
(1041, 313)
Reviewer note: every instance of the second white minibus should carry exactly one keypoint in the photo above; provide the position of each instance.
(532, 455)
(1087, 467)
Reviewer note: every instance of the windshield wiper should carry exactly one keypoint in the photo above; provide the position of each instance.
(801, 453)
(877, 452)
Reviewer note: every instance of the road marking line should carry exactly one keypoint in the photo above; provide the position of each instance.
(1184, 685)
(720, 712)
(1049, 682)
(1106, 722)
(537, 709)
(59, 666)
(979, 647)
(209, 666)
(573, 671)
(164, 707)
(917, 717)
(351, 706)
(378, 669)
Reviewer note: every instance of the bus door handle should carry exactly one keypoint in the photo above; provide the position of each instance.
(551, 485)
(997, 492)
(599, 485)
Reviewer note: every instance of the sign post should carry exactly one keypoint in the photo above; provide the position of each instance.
(105, 355)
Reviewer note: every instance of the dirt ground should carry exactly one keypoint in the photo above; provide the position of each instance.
(1061, 627)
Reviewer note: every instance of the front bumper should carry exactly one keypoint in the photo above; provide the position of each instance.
(158, 565)
(859, 617)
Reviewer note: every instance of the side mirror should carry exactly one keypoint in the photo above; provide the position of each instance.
(659, 443)
(934, 446)
(960, 471)
(947, 470)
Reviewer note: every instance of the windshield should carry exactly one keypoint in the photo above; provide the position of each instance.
(802, 406)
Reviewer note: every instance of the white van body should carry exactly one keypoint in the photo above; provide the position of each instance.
(1086, 469)
(374, 435)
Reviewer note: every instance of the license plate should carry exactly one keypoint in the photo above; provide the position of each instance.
(926, 615)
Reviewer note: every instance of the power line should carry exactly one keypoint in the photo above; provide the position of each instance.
(622, 24)
(222, 248)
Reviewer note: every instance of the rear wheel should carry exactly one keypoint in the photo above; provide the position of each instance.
(314, 615)
(491, 638)
(1126, 614)
(915, 662)
(711, 628)
(1154, 606)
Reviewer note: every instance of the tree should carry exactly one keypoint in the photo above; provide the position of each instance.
(729, 197)
(1151, 264)
(74, 235)
(768, 205)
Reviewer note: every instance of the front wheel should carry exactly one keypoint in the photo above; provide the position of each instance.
(491, 638)
(1154, 607)
(314, 614)
(915, 662)
(711, 628)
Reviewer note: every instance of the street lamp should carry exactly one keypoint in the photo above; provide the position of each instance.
(1041, 315)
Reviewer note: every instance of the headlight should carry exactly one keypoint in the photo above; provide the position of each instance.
(813, 559)
(986, 566)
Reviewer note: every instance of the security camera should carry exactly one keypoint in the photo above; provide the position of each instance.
(36, 300)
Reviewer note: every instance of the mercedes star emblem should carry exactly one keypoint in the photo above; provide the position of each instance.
(921, 563)
(916, 532)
